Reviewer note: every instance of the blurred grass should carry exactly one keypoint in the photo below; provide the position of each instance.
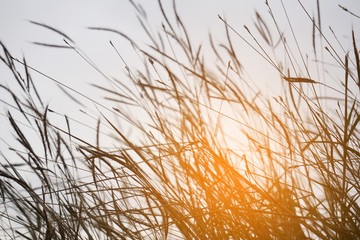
(210, 158)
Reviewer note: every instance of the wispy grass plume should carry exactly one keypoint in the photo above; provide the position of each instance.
(198, 152)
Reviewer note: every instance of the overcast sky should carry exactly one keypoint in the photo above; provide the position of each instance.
(200, 16)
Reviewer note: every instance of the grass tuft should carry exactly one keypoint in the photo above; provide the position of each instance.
(205, 155)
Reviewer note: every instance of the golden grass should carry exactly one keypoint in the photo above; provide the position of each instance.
(294, 174)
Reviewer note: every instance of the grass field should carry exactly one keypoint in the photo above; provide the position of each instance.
(197, 151)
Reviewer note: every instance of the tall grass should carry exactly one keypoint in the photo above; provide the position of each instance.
(211, 158)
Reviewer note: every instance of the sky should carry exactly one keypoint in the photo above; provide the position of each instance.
(200, 16)
(17, 33)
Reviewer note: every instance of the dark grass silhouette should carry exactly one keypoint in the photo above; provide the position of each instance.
(293, 175)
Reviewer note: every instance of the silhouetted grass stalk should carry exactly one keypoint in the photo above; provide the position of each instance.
(293, 176)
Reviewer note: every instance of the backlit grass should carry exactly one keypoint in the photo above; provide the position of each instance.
(208, 155)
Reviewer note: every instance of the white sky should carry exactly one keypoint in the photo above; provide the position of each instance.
(200, 16)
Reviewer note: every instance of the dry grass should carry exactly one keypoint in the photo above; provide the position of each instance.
(212, 157)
